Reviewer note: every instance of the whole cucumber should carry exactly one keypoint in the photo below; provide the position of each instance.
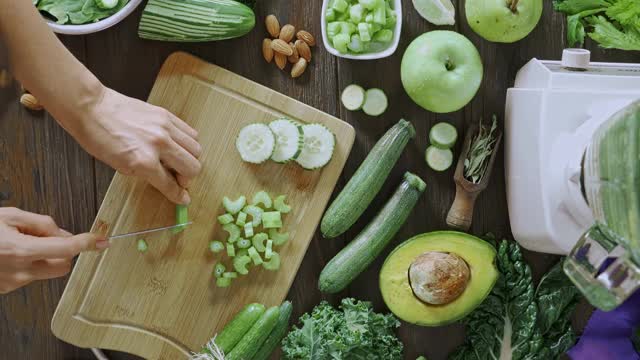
(255, 337)
(359, 253)
(277, 334)
(365, 184)
(233, 332)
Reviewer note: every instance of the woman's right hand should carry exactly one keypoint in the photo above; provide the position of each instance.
(33, 247)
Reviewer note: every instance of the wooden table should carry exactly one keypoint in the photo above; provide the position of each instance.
(45, 171)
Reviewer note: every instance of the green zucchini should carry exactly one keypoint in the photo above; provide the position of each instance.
(360, 253)
(278, 333)
(234, 331)
(252, 341)
(365, 184)
(195, 20)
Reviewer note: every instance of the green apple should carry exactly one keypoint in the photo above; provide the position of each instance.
(503, 21)
(441, 71)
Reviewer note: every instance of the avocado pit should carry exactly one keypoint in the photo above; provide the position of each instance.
(438, 278)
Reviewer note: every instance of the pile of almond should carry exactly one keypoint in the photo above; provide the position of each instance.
(282, 48)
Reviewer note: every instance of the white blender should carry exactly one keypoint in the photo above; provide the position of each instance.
(572, 158)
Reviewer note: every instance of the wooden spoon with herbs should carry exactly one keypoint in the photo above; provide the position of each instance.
(473, 171)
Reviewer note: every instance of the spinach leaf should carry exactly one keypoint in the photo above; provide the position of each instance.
(77, 12)
(517, 322)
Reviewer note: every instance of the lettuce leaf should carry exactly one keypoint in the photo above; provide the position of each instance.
(77, 12)
(517, 321)
(352, 332)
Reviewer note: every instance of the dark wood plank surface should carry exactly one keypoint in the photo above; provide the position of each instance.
(45, 171)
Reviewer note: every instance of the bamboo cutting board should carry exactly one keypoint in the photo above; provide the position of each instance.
(163, 304)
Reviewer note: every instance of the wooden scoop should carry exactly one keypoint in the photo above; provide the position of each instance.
(461, 212)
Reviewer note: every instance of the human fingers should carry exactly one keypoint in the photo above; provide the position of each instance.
(165, 182)
(10, 281)
(181, 161)
(30, 223)
(183, 126)
(61, 247)
(185, 141)
(49, 268)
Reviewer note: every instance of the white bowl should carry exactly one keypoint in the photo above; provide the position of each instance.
(397, 6)
(96, 26)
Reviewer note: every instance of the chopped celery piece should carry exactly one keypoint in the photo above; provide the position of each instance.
(243, 243)
(234, 206)
(223, 282)
(374, 28)
(280, 205)
(344, 16)
(219, 269)
(363, 30)
(278, 238)
(356, 13)
(255, 256)
(225, 219)
(340, 5)
(369, 18)
(333, 29)
(234, 232)
(348, 28)
(231, 250)
(391, 22)
(242, 218)
(242, 252)
(240, 264)
(274, 263)
(256, 214)
(182, 217)
(230, 275)
(262, 197)
(380, 16)
(142, 245)
(216, 246)
(371, 4)
(258, 241)
(384, 36)
(330, 15)
(269, 251)
(272, 220)
(248, 230)
(356, 45)
(340, 42)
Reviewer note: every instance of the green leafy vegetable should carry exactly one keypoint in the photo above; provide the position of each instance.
(77, 12)
(613, 24)
(518, 321)
(480, 151)
(353, 331)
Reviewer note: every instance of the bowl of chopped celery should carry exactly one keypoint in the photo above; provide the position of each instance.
(79, 17)
(361, 29)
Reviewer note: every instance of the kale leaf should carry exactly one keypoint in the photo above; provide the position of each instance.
(354, 331)
(517, 321)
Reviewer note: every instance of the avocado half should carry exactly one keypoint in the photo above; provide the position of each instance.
(399, 296)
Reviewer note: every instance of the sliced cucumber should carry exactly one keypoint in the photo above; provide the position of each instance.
(319, 143)
(289, 140)
(375, 102)
(439, 159)
(353, 97)
(443, 135)
(256, 143)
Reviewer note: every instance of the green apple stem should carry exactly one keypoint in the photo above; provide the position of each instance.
(513, 5)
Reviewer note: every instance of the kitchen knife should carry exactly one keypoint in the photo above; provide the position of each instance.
(142, 232)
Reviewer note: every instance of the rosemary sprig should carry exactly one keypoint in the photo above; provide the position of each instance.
(480, 151)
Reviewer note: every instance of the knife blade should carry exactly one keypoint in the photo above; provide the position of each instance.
(142, 232)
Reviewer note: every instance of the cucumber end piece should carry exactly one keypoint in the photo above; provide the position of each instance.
(415, 181)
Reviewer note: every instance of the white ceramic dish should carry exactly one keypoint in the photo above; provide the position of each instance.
(397, 6)
(96, 26)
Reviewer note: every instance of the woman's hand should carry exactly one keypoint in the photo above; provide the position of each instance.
(33, 247)
(140, 139)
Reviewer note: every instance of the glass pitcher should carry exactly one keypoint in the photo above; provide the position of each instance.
(605, 263)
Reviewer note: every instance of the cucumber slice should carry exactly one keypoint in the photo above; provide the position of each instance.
(280, 205)
(273, 264)
(272, 220)
(106, 4)
(240, 264)
(289, 140)
(353, 97)
(256, 143)
(319, 143)
(278, 238)
(375, 102)
(262, 197)
(234, 206)
(439, 159)
(443, 135)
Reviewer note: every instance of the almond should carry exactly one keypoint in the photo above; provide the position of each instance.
(295, 56)
(267, 51)
(280, 46)
(273, 26)
(299, 68)
(281, 60)
(30, 102)
(303, 50)
(306, 37)
(287, 33)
